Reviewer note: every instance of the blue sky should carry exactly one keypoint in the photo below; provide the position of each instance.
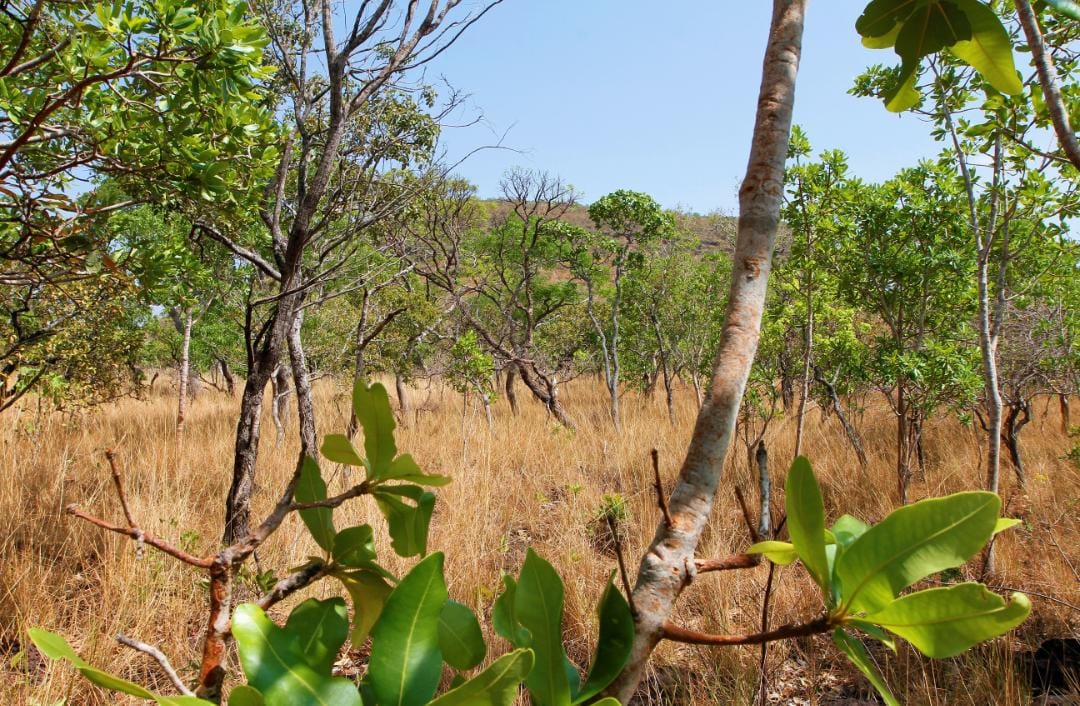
(659, 97)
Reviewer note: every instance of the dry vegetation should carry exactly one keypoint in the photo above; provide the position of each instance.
(527, 483)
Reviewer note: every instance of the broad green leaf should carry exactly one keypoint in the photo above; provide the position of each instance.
(372, 408)
(875, 632)
(847, 529)
(538, 604)
(905, 95)
(504, 616)
(368, 592)
(1005, 523)
(339, 449)
(880, 17)
(989, 51)
(943, 622)
(404, 468)
(777, 552)
(274, 663)
(54, 646)
(883, 41)
(858, 655)
(1067, 8)
(911, 543)
(806, 520)
(495, 686)
(406, 662)
(310, 488)
(612, 646)
(460, 637)
(245, 695)
(407, 524)
(321, 628)
(354, 546)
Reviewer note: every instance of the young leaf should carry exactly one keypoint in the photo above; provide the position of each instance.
(612, 646)
(911, 543)
(406, 662)
(54, 646)
(372, 408)
(319, 520)
(460, 637)
(782, 553)
(495, 686)
(275, 664)
(1005, 523)
(806, 520)
(847, 529)
(339, 449)
(943, 622)
(538, 603)
(244, 695)
(858, 655)
(369, 592)
(354, 546)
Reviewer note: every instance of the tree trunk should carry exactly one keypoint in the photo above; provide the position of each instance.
(305, 404)
(358, 361)
(226, 374)
(511, 392)
(668, 398)
(403, 398)
(1063, 405)
(279, 406)
(1018, 417)
(665, 568)
(185, 373)
(545, 389)
(808, 354)
(837, 407)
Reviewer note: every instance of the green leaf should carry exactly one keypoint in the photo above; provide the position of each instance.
(777, 552)
(495, 686)
(407, 524)
(1068, 8)
(847, 529)
(368, 592)
(372, 408)
(905, 95)
(806, 520)
(911, 543)
(858, 655)
(460, 637)
(321, 628)
(1005, 523)
(538, 605)
(404, 468)
(354, 546)
(339, 449)
(311, 488)
(883, 41)
(245, 695)
(275, 664)
(880, 17)
(943, 622)
(54, 646)
(406, 662)
(989, 51)
(504, 616)
(875, 632)
(612, 646)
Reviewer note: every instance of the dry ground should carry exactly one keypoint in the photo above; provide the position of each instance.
(526, 483)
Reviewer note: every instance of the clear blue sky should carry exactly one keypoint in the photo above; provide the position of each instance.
(659, 96)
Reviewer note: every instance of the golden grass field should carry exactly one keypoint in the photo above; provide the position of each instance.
(526, 483)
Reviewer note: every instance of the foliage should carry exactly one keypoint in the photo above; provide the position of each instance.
(863, 571)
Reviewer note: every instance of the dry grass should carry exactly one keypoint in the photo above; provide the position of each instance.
(528, 483)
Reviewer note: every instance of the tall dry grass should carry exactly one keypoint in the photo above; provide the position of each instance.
(526, 482)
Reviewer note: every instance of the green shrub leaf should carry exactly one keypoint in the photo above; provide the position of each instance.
(310, 488)
(368, 591)
(504, 616)
(782, 553)
(274, 663)
(372, 408)
(613, 645)
(245, 695)
(538, 605)
(354, 546)
(806, 520)
(911, 543)
(854, 651)
(460, 637)
(1005, 523)
(406, 662)
(339, 449)
(943, 622)
(408, 524)
(404, 468)
(321, 628)
(989, 51)
(495, 686)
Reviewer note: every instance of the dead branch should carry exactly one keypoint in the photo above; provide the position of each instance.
(160, 658)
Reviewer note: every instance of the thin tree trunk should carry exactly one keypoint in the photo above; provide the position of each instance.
(185, 373)
(279, 405)
(226, 374)
(358, 361)
(1019, 416)
(837, 407)
(808, 355)
(665, 567)
(668, 397)
(511, 392)
(305, 404)
(403, 398)
(902, 471)
(1063, 405)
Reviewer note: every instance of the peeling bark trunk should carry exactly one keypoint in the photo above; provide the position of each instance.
(666, 567)
(305, 405)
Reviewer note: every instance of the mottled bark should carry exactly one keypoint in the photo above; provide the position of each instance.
(511, 392)
(185, 372)
(667, 566)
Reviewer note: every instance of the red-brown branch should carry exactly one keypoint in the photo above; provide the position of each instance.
(728, 563)
(140, 535)
(677, 633)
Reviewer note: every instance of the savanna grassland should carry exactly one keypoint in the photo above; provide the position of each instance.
(524, 482)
